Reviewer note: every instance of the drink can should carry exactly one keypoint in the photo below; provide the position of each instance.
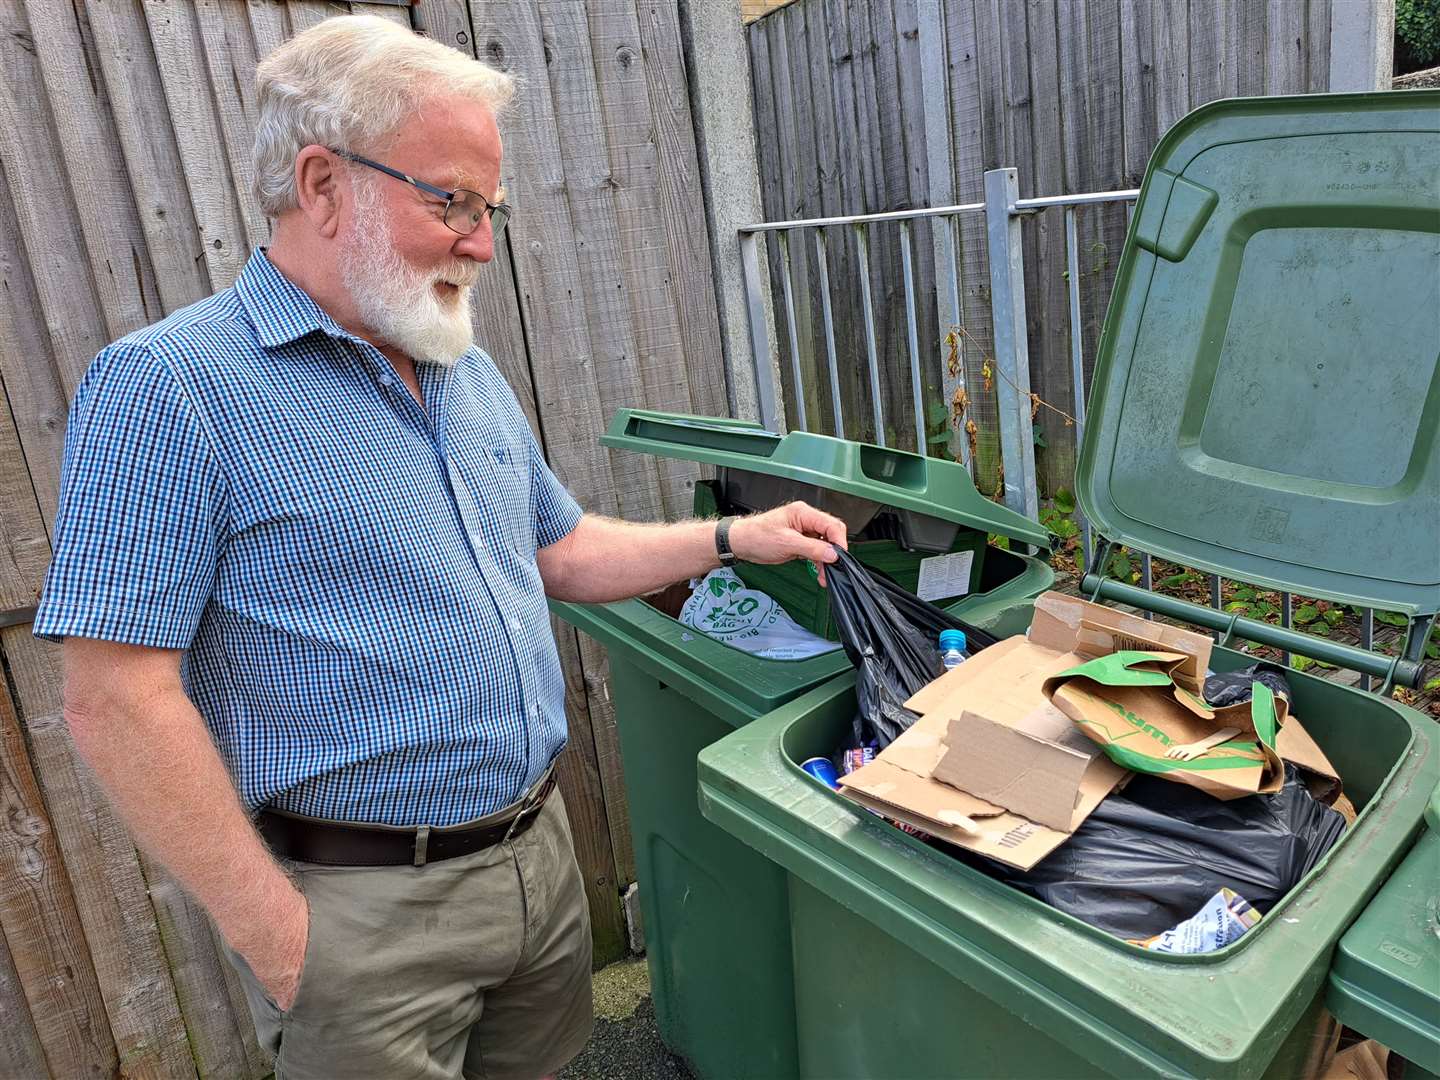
(822, 770)
(857, 757)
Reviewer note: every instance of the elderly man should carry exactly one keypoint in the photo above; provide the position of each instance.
(304, 543)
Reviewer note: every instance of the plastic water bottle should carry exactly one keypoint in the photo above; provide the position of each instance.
(952, 648)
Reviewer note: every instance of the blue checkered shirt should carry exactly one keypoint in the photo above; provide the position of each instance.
(351, 574)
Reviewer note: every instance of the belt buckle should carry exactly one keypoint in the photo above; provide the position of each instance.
(532, 801)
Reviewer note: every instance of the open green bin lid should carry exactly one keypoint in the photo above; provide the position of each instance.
(1266, 398)
(931, 486)
(1385, 979)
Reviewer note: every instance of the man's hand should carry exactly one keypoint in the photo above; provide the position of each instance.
(792, 531)
(275, 950)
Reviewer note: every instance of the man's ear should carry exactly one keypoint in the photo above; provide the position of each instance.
(320, 189)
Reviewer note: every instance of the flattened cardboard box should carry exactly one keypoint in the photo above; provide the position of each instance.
(1020, 777)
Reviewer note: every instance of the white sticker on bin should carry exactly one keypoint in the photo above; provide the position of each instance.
(945, 575)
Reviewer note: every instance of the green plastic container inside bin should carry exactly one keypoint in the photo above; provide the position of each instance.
(717, 924)
(1265, 406)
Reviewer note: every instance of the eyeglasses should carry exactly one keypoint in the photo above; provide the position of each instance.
(464, 210)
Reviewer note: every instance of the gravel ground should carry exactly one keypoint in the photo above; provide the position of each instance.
(625, 1045)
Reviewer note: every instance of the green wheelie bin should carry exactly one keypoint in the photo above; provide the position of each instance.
(1385, 981)
(716, 914)
(1265, 406)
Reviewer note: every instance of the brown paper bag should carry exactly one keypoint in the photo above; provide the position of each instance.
(1129, 702)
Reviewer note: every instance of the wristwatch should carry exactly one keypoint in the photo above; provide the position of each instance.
(722, 541)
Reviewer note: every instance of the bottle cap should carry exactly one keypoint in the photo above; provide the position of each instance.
(952, 639)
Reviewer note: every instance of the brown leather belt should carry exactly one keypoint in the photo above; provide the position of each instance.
(338, 843)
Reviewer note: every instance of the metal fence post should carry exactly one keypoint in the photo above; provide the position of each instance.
(766, 384)
(1012, 350)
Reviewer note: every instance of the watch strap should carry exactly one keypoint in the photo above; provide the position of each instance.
(722, 541)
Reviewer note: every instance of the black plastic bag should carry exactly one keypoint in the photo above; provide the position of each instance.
(1233, 687)
(1151, 857)
(891, 636)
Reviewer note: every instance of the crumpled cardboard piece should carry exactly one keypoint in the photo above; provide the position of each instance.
(1133, 705)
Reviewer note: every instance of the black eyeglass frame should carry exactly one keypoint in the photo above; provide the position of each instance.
(499, 213)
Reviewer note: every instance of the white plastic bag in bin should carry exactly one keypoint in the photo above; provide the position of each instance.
(723, 608)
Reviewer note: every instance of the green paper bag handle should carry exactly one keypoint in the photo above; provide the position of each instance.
(1114, 670)
(1262, 713)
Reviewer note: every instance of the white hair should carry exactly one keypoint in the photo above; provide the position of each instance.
(350, 81)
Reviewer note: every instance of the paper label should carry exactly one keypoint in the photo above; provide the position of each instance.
(945, 575)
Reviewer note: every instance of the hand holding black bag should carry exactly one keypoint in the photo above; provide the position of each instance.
(891, 636)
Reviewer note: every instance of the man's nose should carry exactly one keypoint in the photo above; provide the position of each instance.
(478, 245)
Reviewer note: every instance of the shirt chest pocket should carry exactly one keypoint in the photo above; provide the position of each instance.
(496, 476)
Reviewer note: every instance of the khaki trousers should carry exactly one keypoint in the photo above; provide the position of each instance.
(475, 967)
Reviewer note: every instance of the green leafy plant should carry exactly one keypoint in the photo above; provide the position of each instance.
(1417, 33)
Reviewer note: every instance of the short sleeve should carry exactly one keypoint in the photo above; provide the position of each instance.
(556, 511)
(142, 510)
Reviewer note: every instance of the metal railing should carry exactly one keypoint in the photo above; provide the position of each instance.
(1003, 211)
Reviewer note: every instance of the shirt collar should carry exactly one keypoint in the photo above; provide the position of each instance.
(280, 310)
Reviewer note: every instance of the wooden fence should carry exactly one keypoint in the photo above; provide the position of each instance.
(125, 128)
(1073, 93)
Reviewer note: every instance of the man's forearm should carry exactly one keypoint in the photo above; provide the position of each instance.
(604, 559)
(154, 757)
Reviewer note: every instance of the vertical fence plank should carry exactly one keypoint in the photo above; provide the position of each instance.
(1172, 60)
(1050, 333)
(1248, 44)
(44, 209)
(1317, 46)
(95, 169)
(21, 1054)
(550, 284)
(583, 166)
(40, 923)
(792, 337)
(104, 871)
(767, 157)
(1285, 47)
(1104, 227)
(32, 387)
(795, 107)
(1210, 58)
(893, 179)
(222, 1038)
(679, 199)
(908, 69)
(231, 54)
(192, 117)
(307, 13)
(1137, 58)
(835, 197)
(791, 204)
(267, 25)
(152, 160)
(972, 67)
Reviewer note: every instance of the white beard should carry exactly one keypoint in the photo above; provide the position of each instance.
(398, 303)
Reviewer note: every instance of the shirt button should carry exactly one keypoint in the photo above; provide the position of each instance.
(515, 626)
